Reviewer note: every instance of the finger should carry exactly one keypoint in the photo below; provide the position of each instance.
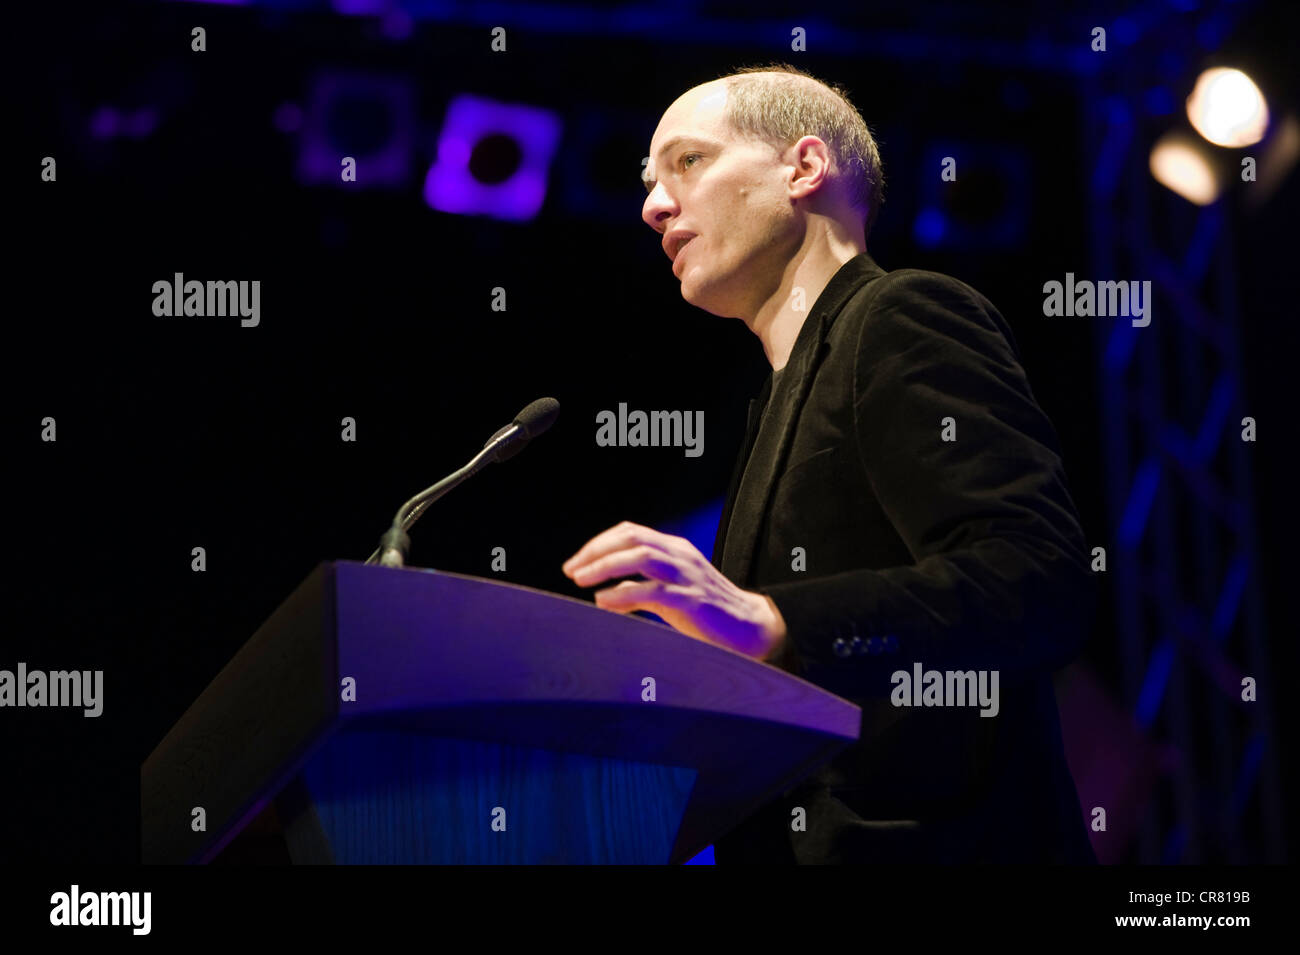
(619, 537)
(628, 596)
(596, 547)
(640, 559)
(622, 535)
(653, 595)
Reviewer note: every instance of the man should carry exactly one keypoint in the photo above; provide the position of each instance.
(900, 505)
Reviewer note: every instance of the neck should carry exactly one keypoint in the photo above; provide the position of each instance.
(778, 320)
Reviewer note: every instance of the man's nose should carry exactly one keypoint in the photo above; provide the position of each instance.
(658, 207)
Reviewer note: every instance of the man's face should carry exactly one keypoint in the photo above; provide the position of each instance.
(727, 191)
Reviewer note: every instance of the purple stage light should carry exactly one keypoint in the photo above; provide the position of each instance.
(368, 117)
(140, 123)
(108, 122)
(493, 159)
(361, 8)
(105, 123)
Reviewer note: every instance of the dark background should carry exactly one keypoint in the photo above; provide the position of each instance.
(176, 433)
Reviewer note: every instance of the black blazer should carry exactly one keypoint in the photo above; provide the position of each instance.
(961, 554)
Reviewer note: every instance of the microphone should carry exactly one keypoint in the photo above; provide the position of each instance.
(528, 424)
(505, 444)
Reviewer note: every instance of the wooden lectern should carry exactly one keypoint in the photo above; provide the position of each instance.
(387, 715)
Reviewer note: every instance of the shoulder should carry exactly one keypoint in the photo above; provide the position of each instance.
(903, 287)
(907, 305)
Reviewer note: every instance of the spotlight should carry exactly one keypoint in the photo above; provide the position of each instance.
(370, 118)
(493, 159)
(1180, 164)
(1227, 108)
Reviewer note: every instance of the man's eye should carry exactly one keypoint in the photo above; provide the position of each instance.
(689, 155)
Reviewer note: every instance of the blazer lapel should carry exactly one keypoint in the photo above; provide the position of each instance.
(769, 450)
(744, 518)
(751, 431)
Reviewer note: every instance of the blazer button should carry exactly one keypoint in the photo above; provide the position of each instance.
(856, 646)
(840, 647)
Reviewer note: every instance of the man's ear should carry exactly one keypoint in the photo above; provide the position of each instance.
(809, 150)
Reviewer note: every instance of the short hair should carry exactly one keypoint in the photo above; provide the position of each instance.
(779, 104)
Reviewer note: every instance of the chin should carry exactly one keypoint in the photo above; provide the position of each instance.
(711, 308)
(709, 292)
(691, 293)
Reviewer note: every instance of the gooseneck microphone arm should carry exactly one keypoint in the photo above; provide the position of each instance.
(395, 544)
(506, 443)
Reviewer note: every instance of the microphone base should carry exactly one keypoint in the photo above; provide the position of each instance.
(394, 546)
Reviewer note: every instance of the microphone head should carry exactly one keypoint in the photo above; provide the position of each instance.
(538, 416)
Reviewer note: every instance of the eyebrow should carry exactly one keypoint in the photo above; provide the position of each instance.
(668, 147)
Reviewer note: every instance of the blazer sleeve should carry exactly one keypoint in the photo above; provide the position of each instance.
(1000, 576)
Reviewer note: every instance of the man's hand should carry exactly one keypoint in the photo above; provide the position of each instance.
(683, 588)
